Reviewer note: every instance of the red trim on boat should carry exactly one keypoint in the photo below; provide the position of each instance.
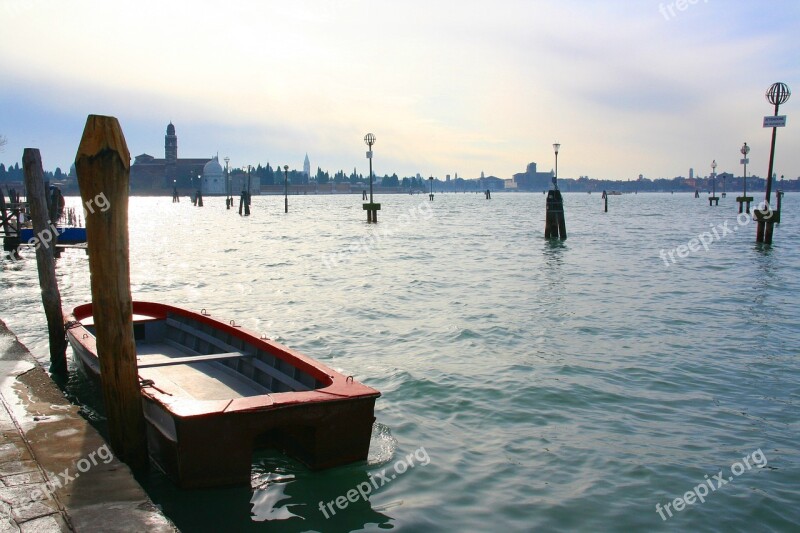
(339, 386)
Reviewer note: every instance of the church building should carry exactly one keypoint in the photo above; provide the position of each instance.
(150, 174)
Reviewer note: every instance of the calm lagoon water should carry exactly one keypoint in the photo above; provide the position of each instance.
(537, 386)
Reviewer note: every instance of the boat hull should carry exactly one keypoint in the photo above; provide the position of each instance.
(209, 443)
(68, 235)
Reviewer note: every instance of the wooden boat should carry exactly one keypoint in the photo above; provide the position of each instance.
(214, 392)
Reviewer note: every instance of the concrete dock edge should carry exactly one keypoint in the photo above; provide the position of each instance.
(56, 471)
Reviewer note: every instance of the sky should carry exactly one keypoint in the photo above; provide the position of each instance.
(447, 87)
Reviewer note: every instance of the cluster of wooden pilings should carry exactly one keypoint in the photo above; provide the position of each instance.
(555, 226)
(10, 214)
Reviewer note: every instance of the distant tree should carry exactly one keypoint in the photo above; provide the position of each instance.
(322, 177)
(58, 175)
(3, 173)
(269, 176)
(390, 181)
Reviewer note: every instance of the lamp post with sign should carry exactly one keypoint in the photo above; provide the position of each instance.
(744, 200)
(371, 208)
(713, 199)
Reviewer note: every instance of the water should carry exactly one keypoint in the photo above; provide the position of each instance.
(533, 385)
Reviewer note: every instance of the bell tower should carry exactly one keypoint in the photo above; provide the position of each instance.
(171, 146)
(170, 157)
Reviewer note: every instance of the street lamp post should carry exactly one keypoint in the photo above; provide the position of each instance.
(371, 208)
(556, 146)
(370, 140)
(744, 199)
(285, 188)
(228, 199)
(713, 199)
(555, 225)
(199, 197)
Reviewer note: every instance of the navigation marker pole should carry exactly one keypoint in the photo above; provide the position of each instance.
(777, 94)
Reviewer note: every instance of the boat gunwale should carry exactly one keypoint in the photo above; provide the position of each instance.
(339, 387)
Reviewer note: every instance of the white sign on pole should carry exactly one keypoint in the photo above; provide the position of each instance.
(369, 154)
(775, 121)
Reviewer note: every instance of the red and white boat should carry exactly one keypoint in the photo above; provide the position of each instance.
(214, 392)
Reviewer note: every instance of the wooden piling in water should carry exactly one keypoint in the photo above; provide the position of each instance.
(10, 234)
(45, 258)
(103, 168)
(555, 225)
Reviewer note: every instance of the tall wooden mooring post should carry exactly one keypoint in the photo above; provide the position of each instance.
(103, 167)
(44, 244)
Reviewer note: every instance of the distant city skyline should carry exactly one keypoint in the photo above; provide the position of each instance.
(652, 88)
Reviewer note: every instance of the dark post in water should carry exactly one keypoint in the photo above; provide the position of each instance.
(45, 231)
(103, 167)
(285, 188)
(777, 94)
(554, 224)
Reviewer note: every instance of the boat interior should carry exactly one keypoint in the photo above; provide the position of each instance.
(193, 360)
